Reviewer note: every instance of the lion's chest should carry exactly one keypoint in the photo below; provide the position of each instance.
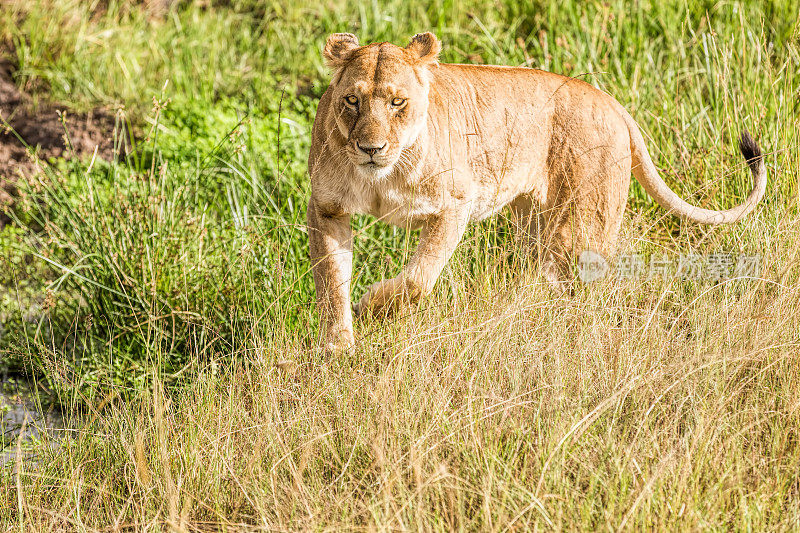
(393, 203)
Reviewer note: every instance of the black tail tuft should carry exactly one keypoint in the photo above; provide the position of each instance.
(750, 149)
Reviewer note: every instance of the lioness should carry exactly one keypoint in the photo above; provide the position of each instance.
(434, 146)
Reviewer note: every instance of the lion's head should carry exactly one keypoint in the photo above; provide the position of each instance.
(379, 97)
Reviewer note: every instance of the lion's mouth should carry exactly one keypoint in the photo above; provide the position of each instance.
(372, 166)
(374, 169)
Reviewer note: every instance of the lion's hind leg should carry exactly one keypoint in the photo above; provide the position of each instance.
(584, 216)
(544, 237)
(527, 224)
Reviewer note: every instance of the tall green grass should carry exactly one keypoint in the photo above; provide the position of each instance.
(166, 297)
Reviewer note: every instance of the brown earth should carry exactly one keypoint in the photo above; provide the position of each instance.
(42, 130)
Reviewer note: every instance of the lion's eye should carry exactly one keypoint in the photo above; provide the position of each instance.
(398, 102)
(351, 99)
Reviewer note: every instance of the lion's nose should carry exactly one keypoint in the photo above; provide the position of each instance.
(370, 150)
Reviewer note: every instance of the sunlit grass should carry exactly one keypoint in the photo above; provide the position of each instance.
(165, 297)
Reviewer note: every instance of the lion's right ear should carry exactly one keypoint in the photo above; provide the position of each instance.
(426, 47)
(338, 48)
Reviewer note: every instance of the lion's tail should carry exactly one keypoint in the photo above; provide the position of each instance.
(647, 174)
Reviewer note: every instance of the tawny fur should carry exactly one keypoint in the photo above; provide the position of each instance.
(434, 146)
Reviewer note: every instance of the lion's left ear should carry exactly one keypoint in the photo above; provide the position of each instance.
(426, 47)
(338, 48)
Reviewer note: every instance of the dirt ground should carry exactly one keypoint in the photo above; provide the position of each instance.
(41, 128)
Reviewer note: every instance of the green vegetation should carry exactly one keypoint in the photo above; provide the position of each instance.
(163, 296)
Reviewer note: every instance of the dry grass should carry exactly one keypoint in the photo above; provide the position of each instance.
(629, 406)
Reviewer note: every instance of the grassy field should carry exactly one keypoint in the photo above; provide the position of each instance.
(162, 296)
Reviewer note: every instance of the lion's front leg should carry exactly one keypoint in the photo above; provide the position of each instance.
(386, 295)
(330, 240)
(440, 236)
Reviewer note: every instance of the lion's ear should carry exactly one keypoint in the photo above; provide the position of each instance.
(338, 48)
(426, 47)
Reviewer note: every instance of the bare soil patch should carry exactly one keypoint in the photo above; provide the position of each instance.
(42, 129)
